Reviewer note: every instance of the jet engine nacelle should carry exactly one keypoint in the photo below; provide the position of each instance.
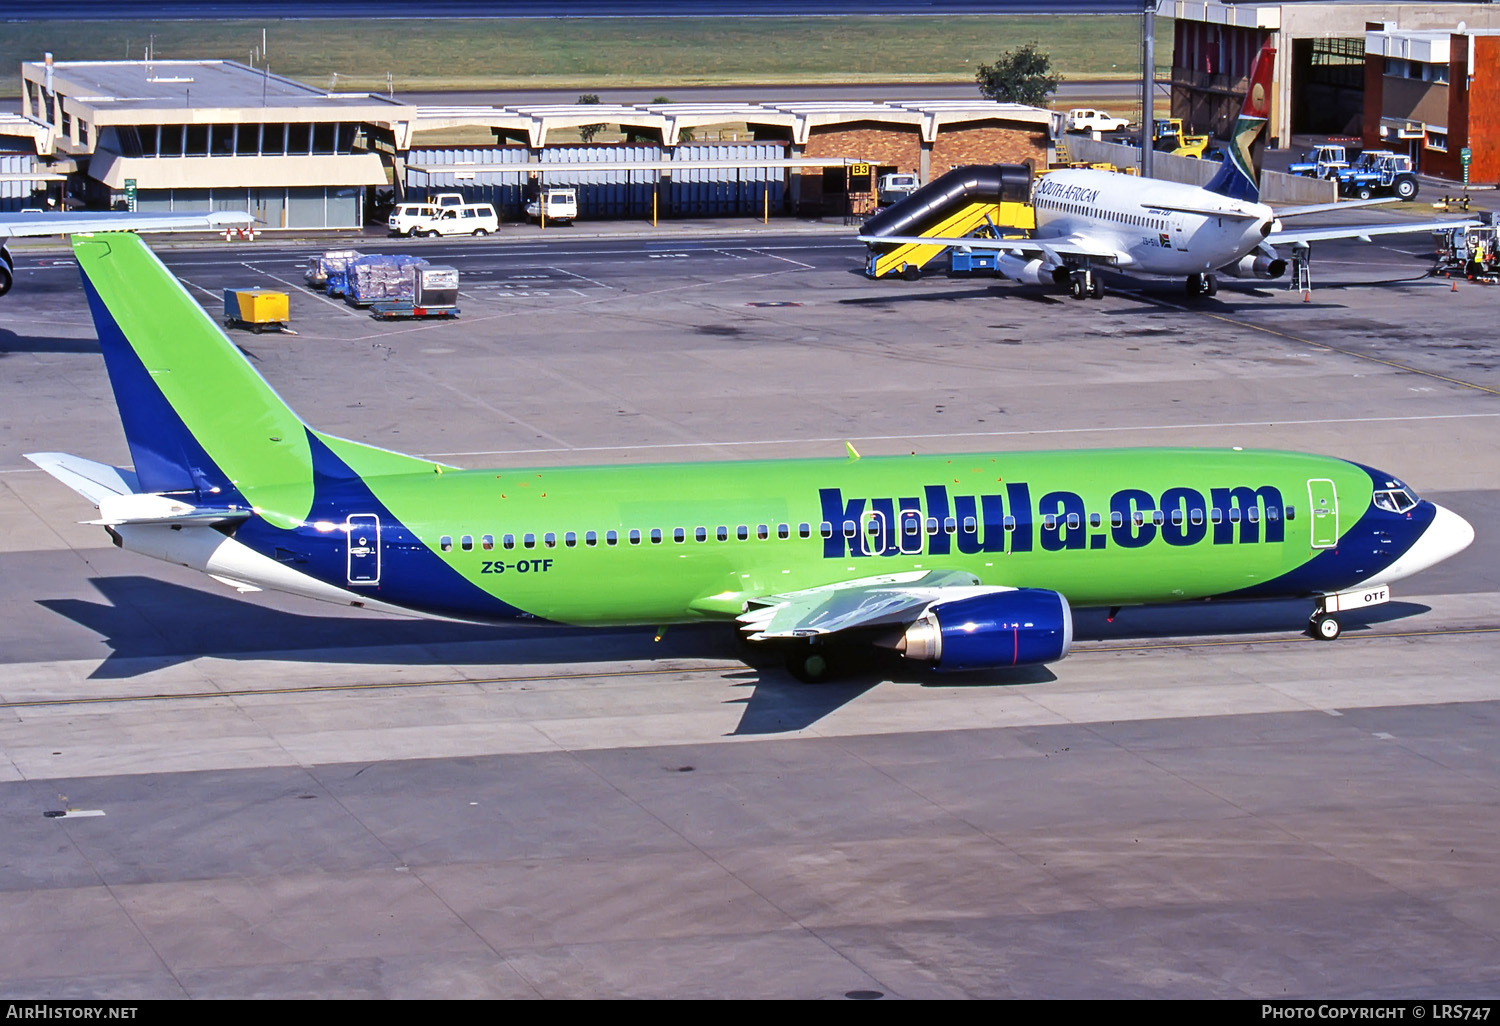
(1027, 272)
(1020, 627)
(1256, 265)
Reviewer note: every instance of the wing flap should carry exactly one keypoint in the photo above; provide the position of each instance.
(887, 600)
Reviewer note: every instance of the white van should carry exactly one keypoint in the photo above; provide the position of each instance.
(405, 216)
(562, 206)
(468, 219)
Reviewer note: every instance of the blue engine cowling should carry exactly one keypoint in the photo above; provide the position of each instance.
(1020, 627)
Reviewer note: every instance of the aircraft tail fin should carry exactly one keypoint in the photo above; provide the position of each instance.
(201, 423)
(1239, 176)
(197, 417)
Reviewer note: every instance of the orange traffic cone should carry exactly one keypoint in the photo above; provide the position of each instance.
(1307, 295)
(1455, 284)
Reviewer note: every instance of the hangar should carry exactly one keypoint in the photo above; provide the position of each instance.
(1320, 77)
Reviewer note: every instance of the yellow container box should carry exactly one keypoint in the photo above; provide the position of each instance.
(254, 307)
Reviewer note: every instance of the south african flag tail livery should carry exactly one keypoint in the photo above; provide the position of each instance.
(960, 562)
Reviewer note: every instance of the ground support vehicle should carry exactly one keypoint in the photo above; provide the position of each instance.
(894, 188)
(408, 311)
(1087, 119)
(1168, 136)
(1379, 172)
(258, 310)
(561, 206)
(1471, 251)
(459, 219)
(1323, 162)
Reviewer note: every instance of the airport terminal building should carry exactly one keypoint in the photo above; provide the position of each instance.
(168, 135)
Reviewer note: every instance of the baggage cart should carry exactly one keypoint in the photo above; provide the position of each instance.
(257, 309)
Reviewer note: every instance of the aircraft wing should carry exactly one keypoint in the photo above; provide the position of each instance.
(1058, 251)
(888, 600)
(1318, 208)
(1362, 232)
(17, 226)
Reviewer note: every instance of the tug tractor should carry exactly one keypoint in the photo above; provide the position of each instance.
(1167, 136)
(1379, 172)
(1323, 162)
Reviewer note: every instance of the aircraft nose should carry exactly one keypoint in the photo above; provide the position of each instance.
(1447, 535)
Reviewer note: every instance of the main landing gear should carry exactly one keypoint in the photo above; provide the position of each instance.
(1085, 284)
(1202, 285)
(811, 664)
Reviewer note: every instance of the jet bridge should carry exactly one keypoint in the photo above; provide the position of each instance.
(960, 203)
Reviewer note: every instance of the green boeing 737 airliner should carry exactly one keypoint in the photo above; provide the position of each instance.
(958, 562)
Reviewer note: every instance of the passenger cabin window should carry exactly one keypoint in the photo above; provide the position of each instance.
(635, 537)
(549, 540)
(487, 542)
(611, 537)
(700, 534)
(591, 538)
(446, 542)
(570, 539)
(508, 542)
(528, 541)
(466, 542)
(722, 533)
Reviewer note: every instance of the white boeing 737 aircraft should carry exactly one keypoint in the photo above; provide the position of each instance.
(1087, 218)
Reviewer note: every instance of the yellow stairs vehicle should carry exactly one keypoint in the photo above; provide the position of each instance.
(961, 203)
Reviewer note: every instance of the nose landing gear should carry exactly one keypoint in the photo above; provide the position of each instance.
(1202, 285)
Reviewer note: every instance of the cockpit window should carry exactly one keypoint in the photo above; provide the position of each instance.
(1394, 500)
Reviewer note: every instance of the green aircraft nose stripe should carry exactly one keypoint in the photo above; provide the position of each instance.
(238, 419)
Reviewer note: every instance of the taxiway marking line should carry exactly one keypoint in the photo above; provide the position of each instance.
(314, 689)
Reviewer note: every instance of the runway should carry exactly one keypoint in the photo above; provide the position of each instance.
(213, 795)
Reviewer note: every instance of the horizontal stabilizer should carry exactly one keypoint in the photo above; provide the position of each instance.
(94, 481)
(151, 508)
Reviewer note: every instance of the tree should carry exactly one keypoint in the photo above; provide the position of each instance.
(587, 132)
(1022, 75)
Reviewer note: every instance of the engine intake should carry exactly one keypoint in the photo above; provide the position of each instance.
(1020, 627)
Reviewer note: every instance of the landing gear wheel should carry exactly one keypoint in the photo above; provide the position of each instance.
(1096, 287)
(1076, 287)
(6, 279)
(910, 272)
(1325, 628)
(1202, 285)
(811, 664)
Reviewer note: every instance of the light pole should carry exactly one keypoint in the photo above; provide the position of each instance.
(1148, 81)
